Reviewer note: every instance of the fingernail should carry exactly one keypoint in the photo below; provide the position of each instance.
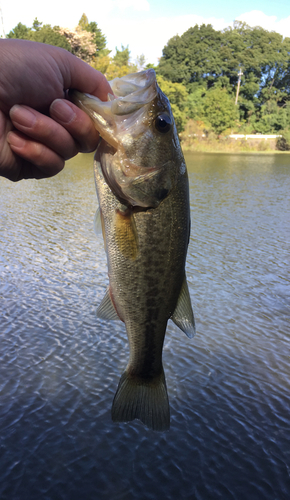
(15, 140)
(22, 116)
(62, 112)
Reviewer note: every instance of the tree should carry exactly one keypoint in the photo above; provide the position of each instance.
(81, 43)
(20, 31)
(86, 41)
(195, 103)
(141, 61)
(219, 109)
(177, 95)
(36, 26)
(83, 22)
(192, 57)
(92, 27)
(39, 33)
(203, 57)
(51, 36)
(203, 54)
(121, 58)
(272, 117)
(101, 63)
(114, 67)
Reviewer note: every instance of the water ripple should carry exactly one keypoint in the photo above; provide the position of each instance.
(60, 365)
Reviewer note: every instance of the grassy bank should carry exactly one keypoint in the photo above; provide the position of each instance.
(228, 145)
(196, 136)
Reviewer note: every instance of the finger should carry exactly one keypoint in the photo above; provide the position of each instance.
(81, 76)
(43, 129)
(77, 123)
(38, 157)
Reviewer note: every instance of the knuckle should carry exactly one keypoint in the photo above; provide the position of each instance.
(36, 151)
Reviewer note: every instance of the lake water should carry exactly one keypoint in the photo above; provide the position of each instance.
(229, 387)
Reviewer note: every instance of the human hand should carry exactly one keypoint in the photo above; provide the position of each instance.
(39, 128)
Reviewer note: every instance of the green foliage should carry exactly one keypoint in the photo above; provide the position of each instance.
(188, 58)
(84, 22)
(151, 66)
(195, 103)
(141, 61)
(36, 25)
(177, 95)
(39, 33)
(20, 31)
(121, 58)
(92, 27)
(203, 59)
(219, 109)
(114, 67)
(117, 66)
(202, 53)
(272, 118)
(283, 143)
(67, 39)
(51, 36)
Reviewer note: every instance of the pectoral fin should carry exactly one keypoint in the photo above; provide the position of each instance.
(106, 309)
(183, 314)
(99, 225)
(98, 222)
(126, 234)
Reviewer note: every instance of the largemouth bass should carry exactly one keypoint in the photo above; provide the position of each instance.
(142, 188)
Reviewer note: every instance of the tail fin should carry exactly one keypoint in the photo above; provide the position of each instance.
(147, 401)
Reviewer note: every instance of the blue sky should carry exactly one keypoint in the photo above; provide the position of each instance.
(147, 25)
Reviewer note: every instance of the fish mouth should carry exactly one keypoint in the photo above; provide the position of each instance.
(132, 94)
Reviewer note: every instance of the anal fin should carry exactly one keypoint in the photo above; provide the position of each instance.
(106, 309)
(99, 224)
(183, 315)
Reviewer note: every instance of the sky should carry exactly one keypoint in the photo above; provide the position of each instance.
(147, 25)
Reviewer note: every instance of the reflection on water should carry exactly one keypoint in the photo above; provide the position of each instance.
(229, 387)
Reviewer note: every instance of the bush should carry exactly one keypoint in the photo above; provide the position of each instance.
(283, 143)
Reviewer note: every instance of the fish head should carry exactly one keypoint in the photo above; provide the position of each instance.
(141, 155)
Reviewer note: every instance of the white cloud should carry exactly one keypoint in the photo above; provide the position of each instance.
(149, 36)
(50, 13)
(269, 23)
(138, 5)
(144, 34)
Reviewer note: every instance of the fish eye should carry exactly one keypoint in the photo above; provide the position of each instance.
(163, 123)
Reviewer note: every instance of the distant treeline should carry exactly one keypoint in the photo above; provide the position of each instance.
(86, 41)
(199, 72)
(207, 62)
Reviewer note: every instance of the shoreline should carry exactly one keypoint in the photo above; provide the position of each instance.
(237, 151)
(229, 146)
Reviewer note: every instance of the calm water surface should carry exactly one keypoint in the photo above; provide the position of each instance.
(229, 387)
